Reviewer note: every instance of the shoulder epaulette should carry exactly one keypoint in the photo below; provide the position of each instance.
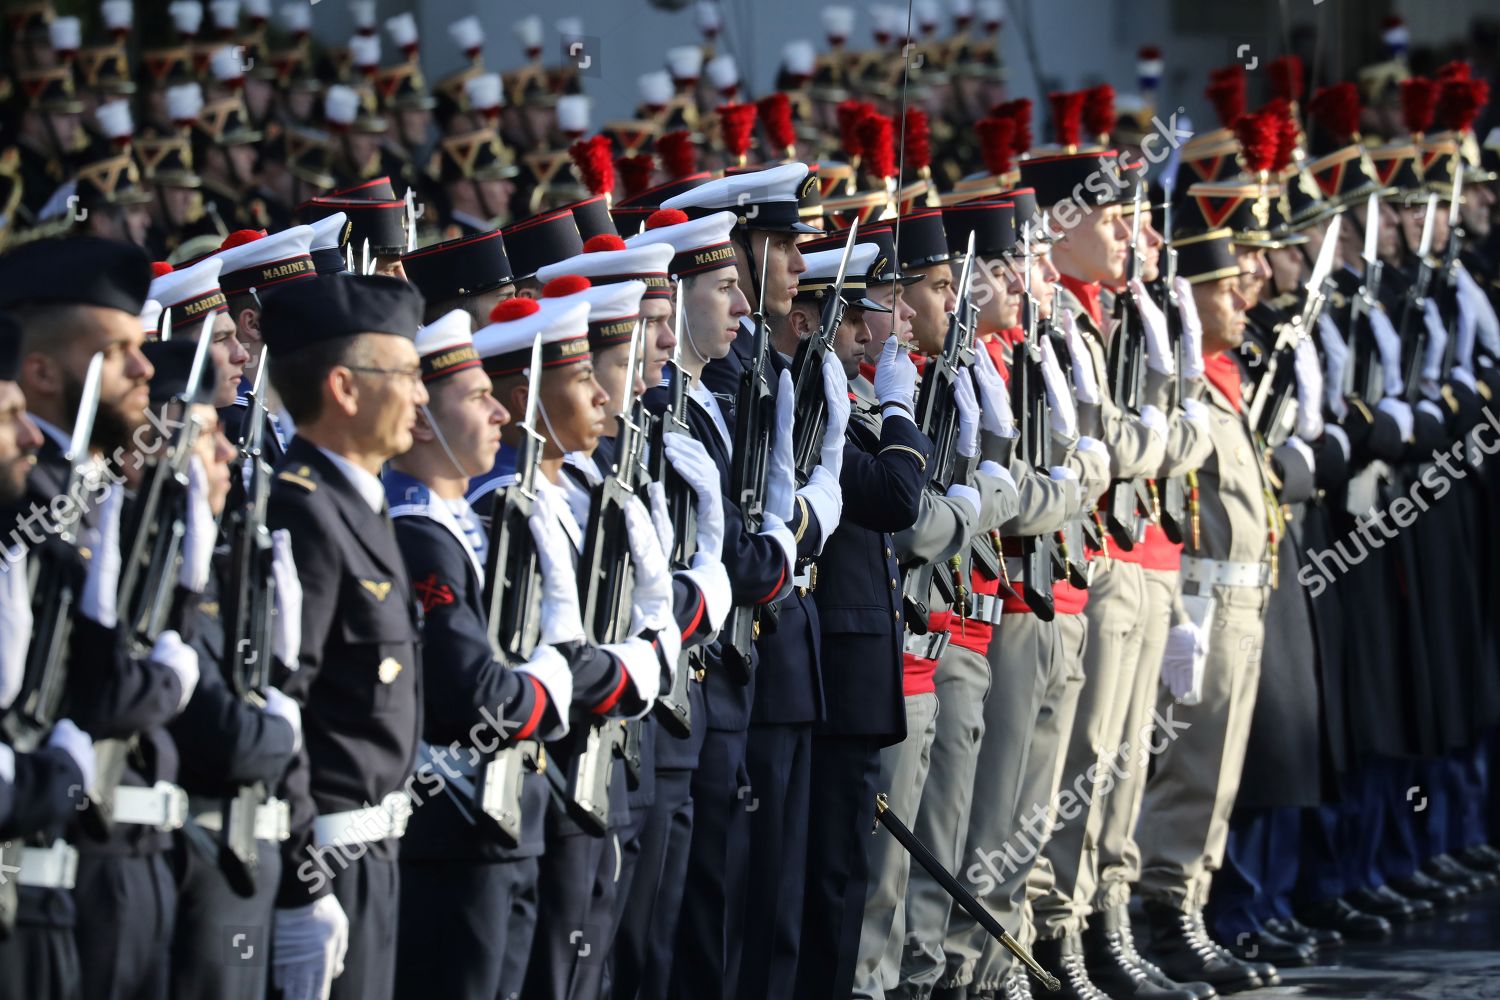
(298, 478)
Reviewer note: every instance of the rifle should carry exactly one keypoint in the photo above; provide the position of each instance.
(755, 414)
(937, 419)
(1033, 422)
(1365, 376)
(1450, 259)
(1175, 516)
(512, 593)
(807, 373)
(1126, 374)
(1413, 331)
(673, 710)
(1070, 544)
(1271, 412)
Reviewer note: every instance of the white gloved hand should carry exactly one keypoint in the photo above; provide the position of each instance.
(1063, 413)
(1192, 330)
(78, 745)
(1336, 355)
(1309, 391)
(562, 620)
(1399, 411)
(101, 585)
(1486, 323)
(651, 599)
(171, 652)
(995, 414)
(966, 493)
(1154, 323)
(781, 469)
(896, 377)
(836, 394)
(15, 624)
(287, 638)
(1467, 329)
(283, 707)
(1085, 379)
(308, 944)
(1432, 409)
(1388, 344)
(661, 519)
(968, 415)
(1183, 662)
(1337, 433)
(201, 531)
(1437, 342)
(692, 463)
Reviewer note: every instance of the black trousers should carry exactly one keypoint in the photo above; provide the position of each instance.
(126, 912)
(641, 960)
(466, 928)
(571, 942)
(39, 961)
(369, 890)
(221, 945)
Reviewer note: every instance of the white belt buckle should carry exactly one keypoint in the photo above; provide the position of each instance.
(163, 806)
(54, 867)
(273, 821)
(398, 807)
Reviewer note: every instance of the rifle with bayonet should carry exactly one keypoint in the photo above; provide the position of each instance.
(810, 406)
(754, 416)
(673, 709)
(1034, 426)
(1413, 329)
(1125, 361)
(1082, 532)
(1272, 409)
(1449, 267)
(937, 419)
(1365, 375)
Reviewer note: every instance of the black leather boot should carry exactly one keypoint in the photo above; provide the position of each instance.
(1338, 915)
(1063, 957)
(1180, 944)
(1109, 955)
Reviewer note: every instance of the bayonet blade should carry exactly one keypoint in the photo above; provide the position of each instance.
(1372, 230)
(83, 424)
(1425, 247)
(1458, 187)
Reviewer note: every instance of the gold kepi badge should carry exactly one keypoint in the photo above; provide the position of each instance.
(389, 669)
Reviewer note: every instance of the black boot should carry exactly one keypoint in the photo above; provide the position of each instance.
(1447, 868)
(1108, 955)
(1420, 885)
(1387, 902)
(1339, 915)
(1481, 857)
(1293, 930)
(1264, 946)
(1181, 946)
(1063, 957)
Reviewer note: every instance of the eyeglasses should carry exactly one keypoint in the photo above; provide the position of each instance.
(415, 374)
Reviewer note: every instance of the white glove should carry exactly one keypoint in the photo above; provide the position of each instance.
(287, 639)
(1468, 326)
(651, 599)
(562, 621)
(896, 377)
(1432, 409)
(1464, 377)
(1085, 380)
(1486, 323)
(966, 493)
(102, 583)
(1192, 330)
(994, 396)
(1337, 433)
(836, 394)
(781, 471)
(15, 624)
(1158, 346)
(279, 705)
(7, 776)
(968, 414)
(1183, 662)
(1437, 342)
(661, 520)
(201, 531)
(1399, 411)
(1059, 400)
(551, 670)
(1336, 354)
(692, 463)
(171, 652)
(1309, 391)
(1388, 344)
(76, 744)
(307, 947)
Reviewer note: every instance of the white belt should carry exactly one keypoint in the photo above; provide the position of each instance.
(984, 608)
(273, 820)
(163, 806)
(364, 826)
(54, 867)
(927, 647)
(1210, 573)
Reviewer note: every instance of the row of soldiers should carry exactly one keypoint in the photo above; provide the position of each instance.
(553, 610)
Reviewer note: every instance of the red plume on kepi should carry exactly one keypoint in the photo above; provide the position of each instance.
(1286, 78)
(595, 163)
(679, 158)
(1019, 112)
(877, 142)
(635, 173)
(995, 136)
(1099, 110)
(1226, 91)
(1067, 114)
(736, 123)
(1279, 111)
(916, 141)
(850, 114)
(776, 119)
(1459, 103)
(1335, 109)
(1257, 136)
(1418, 102)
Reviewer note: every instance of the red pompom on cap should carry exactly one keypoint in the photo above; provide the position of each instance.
(159, 268)
(513, 309)
(565, 284)
(666, 217)
(240, 237)
(602, 242)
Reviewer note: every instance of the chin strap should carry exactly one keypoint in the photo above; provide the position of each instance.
(442, 439)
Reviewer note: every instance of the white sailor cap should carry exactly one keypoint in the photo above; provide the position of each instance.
(505, 344)
(268, 261)
(698, 244)
(192, 293)
(613, 309)
(330, 236)
(649, 263)
(823, 268)
(759, 199)
(446, 345)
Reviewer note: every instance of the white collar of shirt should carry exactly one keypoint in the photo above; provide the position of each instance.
(365, 484)
(52, 431)
(706, 399)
